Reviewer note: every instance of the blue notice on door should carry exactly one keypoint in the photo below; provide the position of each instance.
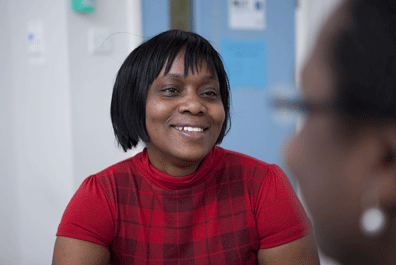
(246, 62)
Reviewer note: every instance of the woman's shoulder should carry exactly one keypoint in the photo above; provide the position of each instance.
(247, 166)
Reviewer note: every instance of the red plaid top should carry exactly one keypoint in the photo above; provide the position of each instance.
(223, 213)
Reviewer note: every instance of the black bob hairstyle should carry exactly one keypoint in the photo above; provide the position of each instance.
(364, 60)
(143, 65)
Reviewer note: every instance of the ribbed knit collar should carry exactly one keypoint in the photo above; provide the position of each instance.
(163, 180)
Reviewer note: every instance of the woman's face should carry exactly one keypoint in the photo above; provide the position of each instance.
(184, 117)
(329, 165)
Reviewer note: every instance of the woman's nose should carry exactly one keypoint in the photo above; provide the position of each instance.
(191, 102)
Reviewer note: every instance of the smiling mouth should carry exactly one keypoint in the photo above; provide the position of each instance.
(190, 129)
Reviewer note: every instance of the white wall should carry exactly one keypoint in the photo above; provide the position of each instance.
(8, 188)
(40, 115)
(91, 82)
(55, 125)
(310, 15)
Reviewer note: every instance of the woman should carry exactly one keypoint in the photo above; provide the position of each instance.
(183, 200)
(343, 157)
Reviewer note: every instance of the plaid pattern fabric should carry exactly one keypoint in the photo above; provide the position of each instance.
(213, 216)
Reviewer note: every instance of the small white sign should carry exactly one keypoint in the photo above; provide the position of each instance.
(247, 14)
(35, 42)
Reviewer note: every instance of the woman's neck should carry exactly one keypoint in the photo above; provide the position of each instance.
(172, 166)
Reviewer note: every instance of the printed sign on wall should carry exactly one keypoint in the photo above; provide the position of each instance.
(247, 14)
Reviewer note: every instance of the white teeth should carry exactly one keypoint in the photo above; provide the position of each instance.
(190, 129)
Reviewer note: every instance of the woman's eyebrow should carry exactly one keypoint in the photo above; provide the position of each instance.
(173, 75)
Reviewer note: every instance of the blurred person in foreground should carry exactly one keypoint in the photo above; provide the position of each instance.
(344, 155)
(183, 200)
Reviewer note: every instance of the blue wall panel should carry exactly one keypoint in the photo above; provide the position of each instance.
(155, 16)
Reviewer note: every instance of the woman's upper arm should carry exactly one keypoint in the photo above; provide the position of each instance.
(89, 217)
(74, 251)
(300, 251)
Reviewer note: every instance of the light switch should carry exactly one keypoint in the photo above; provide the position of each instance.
(35, 42)
(35, 38)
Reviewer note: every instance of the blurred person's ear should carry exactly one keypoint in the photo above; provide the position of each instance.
(372, 163)
(387, 167)
(371, 160)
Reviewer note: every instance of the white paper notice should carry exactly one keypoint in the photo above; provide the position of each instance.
(247, 14)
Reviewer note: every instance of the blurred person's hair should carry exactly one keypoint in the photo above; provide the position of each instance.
(143, 65)
(363, 57)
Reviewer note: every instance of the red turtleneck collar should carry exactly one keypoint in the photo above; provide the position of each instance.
(208, 165)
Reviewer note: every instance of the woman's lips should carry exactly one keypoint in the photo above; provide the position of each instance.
(190, 132)
(189, 129)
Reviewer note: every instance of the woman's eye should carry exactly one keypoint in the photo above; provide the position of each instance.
(211, 94)
(170, 90)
